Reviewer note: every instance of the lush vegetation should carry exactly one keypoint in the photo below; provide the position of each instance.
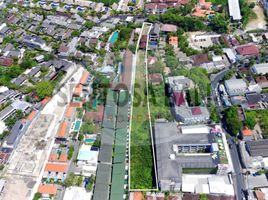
(44, 89)
(232, 120)
(142, 168)
(87, 128)
(199, 170)
(70, 152)
(107, 2)
(193, 97)
(260, 116)
(199, 77)
(246, 12)
(159, 106)
(73, 180)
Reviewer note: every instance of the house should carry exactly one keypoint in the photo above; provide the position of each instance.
(246, 134)
(257, 148)
(6, 61)
(11, 109)
(155, 79)
(34, 42)
(143, 42)
(8, 95)
(156, 8)
(16, 133)
(200, 59)
(47, 189)
(235, 87)
(173, 40)
(19, 80)
(136, 196)
(262, 81)
(248, 50)
(253, 100)
(261, 68)
(62, 131)
(168, 28)
(55, 171)
(154, 36)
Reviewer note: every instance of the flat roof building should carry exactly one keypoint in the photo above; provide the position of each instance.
(234, 9)
(260, 68)
(235, 87)
(172, 145)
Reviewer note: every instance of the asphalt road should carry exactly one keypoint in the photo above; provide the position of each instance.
(237, 176)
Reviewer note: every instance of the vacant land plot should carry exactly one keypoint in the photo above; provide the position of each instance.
(142, 167)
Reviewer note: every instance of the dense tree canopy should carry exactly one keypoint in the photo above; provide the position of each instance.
(44, 89)
(233, 122)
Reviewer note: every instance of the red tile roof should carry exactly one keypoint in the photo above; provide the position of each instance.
(5, 61)
(179, 98)
(84, 77)
(62, 130)
(69, 112)
(196, 111)
(56, 167)
(248, 50)
(47, 189)
(78, 90)
(31, 115)
(247, 132)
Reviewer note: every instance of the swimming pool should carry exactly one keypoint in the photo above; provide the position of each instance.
(114, 37)
(89, 140)
(77, 125)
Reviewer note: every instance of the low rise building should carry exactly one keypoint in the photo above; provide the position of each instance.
(235, 87)
(260, 68)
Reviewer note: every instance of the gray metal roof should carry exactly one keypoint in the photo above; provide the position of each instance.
(103, 175)
(258, 148)
(166, 134)
(101, 192)
(107, 136)
(15, 132)
(105, 154)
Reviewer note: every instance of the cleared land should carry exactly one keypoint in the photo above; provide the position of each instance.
(142, 167)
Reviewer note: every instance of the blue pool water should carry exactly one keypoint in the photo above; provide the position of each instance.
(89, 140)
(77, 125)
(114, 37)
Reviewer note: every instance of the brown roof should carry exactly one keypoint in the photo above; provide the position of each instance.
(96, 116)
(155, 78)
(56, 167)
(137, 196)
(261, 79)
(190, 197)
(247, 132)
(78, 90)
(31, 115)
(84, 77)
(248, 50)
(168, 28)
(260, 195)
(200, 59)
(62, 130)
(76, 104)
(53, 157)
(69, 112)
(173, 40)
(47, 189)
(63, 157)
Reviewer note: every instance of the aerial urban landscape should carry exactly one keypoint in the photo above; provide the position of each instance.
(134, 99)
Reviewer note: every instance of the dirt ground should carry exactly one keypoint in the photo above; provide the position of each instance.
(259, 22)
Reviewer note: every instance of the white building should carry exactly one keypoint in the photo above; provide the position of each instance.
(260, 68)
(234, 9)
(235, 87)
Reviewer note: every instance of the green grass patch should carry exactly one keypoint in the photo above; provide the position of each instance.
(142, 168)
(199, 170)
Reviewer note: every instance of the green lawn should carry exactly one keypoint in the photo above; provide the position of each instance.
(199, 171)
(142, 168)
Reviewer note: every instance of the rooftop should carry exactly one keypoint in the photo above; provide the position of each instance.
(47, 189)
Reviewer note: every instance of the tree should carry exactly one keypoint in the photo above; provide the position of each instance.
(70, 152)
(153, 18)
(87, 128)
(75, 33)
(44, 89)
(89, 24)
(172, 62)
(27, 62)
(219, 23)
(68, 182)
(250, 120)
(233, 122)
(203, 197)
(80, 137)
(90, 183)
(37, 196)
